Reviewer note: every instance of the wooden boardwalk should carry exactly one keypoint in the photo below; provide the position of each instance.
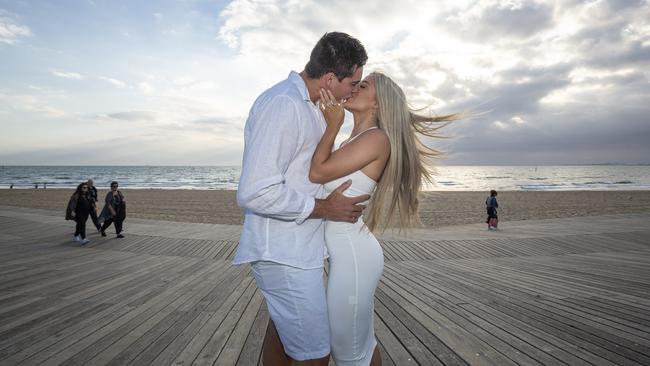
(555, 292)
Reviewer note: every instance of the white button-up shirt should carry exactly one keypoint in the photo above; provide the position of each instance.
(282, 131)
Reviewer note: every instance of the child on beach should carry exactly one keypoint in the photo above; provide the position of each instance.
(78, 210)
(491, 204)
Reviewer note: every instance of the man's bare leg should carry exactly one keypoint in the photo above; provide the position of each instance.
(317, 362)
(376, 358)
(273, 353)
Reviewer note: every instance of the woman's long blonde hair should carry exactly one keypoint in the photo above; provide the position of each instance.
(396, 196)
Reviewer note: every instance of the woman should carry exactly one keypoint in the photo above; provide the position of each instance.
(385, 158)
(114, 210)
(78, 209)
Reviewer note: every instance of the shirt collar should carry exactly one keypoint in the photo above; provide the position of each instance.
(297, 80)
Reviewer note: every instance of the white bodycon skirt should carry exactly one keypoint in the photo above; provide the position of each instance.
(356, 264)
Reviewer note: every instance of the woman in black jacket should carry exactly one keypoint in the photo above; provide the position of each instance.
(78, 209)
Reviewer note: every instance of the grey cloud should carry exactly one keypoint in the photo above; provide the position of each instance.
(521, 21)
(631, 54)
(519, 92)
(602, 126)
(568, 139)
(614, 37)
(415, 85)
(131, 116)
(633, 84)
(212, 121)
(600, 34)
(624, 4)
(500, 21)
(218, 126)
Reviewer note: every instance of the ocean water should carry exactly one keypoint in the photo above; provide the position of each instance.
(448, 178)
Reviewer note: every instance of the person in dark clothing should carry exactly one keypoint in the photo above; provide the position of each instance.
(491, 204)
(92, 197)
(114, 210)
(78, 209)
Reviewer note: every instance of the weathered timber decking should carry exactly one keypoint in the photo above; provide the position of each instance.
(554, 292)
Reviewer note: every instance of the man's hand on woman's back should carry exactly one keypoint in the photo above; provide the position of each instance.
(338, 207)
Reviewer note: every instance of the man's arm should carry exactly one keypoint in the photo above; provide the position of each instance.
(272, 138)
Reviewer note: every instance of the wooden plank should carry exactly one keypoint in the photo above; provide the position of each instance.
(204, 336)
(251, 352)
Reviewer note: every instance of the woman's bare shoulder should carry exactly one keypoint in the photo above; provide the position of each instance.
(375, 137)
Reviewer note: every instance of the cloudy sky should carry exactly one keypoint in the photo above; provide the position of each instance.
(170, 82)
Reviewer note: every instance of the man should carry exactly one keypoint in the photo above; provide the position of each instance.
(283, 235)
(92, 197)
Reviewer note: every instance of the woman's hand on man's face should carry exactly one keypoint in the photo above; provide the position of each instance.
(332, 109)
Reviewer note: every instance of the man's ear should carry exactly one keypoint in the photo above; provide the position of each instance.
(324, 81)
(330, 78)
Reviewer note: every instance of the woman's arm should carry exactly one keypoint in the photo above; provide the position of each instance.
(327, 165)
(72, 205)
(334, 116)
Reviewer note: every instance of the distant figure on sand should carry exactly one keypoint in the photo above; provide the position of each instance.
(491, 204)
(78, 210)
(44, 185)
(114, 210)
(35, 185)
(11, 186)
(92, 197)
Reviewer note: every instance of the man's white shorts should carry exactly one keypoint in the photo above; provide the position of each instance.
(298, 306)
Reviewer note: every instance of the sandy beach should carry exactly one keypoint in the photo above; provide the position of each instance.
(438, 209)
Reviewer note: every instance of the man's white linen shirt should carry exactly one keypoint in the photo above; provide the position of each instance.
(282, 131)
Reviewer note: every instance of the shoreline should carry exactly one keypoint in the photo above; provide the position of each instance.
(40, 188)
(437, 208)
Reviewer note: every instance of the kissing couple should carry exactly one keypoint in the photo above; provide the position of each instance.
(304, 197)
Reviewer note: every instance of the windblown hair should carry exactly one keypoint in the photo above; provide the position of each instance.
(336, 52)
(395, 200)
